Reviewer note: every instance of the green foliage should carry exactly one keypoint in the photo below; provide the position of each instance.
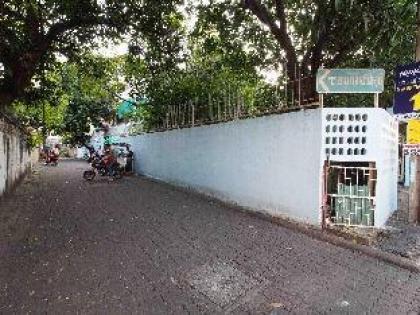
(91, 87)
(309, 34)
(41, 114)
(205, 79)
(173, 62)
(34, 140)
(34, 33)
(74, 95)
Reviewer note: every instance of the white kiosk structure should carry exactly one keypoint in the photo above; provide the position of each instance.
(360, 152)
(360, 147)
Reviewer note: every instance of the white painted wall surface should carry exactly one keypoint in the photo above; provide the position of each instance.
(81, 152)
(274, 163)
(14, 160)
(269, 163)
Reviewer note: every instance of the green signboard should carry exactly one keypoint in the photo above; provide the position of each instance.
(350, 80)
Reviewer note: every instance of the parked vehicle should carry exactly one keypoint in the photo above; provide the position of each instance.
(52, 161)
(104, 166)
(52, 155)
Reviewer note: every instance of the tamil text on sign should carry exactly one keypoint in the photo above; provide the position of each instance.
(350, 81)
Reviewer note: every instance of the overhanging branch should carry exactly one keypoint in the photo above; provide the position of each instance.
(279, 31)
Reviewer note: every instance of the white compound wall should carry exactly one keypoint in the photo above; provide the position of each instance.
(14, 157)
(275, 163)
(268, 163)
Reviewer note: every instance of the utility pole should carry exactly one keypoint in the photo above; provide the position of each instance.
(414, 202)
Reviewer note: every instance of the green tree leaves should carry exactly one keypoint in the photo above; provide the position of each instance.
(33, 33)
(74, 95)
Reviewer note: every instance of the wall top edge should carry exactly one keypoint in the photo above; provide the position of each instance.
(312, 111)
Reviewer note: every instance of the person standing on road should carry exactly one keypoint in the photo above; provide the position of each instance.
(109, 160)
(129, 160)
(56, 150)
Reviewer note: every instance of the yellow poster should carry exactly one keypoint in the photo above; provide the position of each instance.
(413, 131)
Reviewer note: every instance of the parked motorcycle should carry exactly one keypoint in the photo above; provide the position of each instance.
(52, 161)
(99, 166)
(51, 158)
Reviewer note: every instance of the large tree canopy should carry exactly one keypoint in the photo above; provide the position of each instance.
(35, 32)
(173, 60)
(308, 34)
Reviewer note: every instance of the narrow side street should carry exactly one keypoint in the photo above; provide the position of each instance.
(137, 246)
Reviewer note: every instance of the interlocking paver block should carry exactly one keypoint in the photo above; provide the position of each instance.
(138, 246)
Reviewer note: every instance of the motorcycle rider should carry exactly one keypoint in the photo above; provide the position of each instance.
(54, 154)
(56, 150)
(109, 160)
(51, 155)
(129, 159)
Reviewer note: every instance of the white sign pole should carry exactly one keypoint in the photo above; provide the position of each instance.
(376, 100)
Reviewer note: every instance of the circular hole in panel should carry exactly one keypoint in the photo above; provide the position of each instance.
(364, 117)
(341, 128)
(327, 140)
(357, 117)
(341, 117)
(356, 140)
(341, 151)
(334, 151)
(356, 151)
(328, 128)
(363, 140)
(334, 128)
(334, 140)
(349, 140)
(335, 117)
(364, 128)
(350, 128)
(363, 151)
(349, 151)
(328, 117)
(341, 140)
(356, 128)
(351, 117)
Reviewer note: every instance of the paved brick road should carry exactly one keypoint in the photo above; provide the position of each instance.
(136, 246)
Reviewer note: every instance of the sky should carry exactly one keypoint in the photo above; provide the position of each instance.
(112, 50)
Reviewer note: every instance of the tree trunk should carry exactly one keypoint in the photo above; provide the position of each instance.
(5, 100)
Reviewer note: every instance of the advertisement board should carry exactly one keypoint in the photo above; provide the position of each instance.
(407, 89)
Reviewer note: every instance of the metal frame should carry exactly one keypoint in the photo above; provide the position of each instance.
(361, 189)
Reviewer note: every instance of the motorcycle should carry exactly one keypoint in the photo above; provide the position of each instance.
(52, 162)
(51, 159)
(99, 166)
